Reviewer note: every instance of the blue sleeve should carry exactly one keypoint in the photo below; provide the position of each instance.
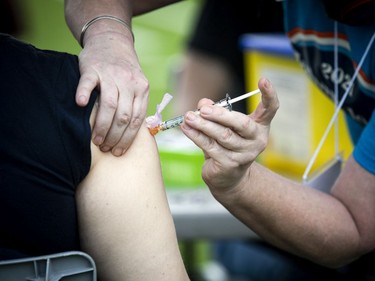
(364, 151)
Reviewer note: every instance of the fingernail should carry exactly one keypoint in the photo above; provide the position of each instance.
(185, 127)
(267, 84)
(81, 99)
(206, 110)
(98, 140)
(191, 116)
(118, 152)
(105, 148)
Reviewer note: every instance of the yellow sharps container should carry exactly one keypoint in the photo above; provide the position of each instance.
(304, 111)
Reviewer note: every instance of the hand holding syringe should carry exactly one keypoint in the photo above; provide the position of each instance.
(177, 121)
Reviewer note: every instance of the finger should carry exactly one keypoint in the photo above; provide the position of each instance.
(238, 122)
(206, 143)
(120, 123)
(213, 149)
(138, 115)
(108, 100)
(269, 104)
(205, 101)
(87, 83)
(215, 136)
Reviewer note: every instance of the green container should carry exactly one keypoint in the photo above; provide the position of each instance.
(181, 160)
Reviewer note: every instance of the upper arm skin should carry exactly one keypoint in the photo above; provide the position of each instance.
(355, 188)
(124, 218)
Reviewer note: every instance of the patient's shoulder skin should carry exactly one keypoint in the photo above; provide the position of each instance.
(124, 216)
(143, 146)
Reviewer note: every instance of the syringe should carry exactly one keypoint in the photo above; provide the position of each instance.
(177, 121)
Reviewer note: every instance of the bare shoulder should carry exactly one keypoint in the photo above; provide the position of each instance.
(143, 147)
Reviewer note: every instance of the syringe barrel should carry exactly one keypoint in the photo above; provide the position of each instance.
(175, 122)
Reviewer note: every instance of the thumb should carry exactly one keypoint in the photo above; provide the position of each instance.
(269, 104)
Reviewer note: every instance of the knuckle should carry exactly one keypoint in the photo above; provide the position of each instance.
(246, 124)
(110, 103)
(145, 84)
(136, 77)
(123, 119)
(136, 122)
(263, 142)
(210, 144)
(233, 163)
(227, 135)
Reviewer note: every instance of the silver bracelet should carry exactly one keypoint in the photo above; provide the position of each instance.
(90, 22)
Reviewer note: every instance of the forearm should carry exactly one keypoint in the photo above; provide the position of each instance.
(313, 224)
(79, 12)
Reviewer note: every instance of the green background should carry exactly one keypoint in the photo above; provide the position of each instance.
(160, 38)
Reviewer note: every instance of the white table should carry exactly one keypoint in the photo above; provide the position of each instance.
(197, 215)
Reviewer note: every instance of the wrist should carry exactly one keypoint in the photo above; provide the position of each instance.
(235, 190)
(105, 24)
